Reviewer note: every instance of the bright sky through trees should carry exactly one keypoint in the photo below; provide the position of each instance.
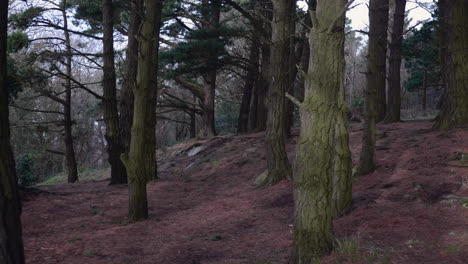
(360, 17)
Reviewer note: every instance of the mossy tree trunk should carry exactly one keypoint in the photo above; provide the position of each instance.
(454, 41)
(11, 243)
(277, 159)
(111, 114)
(322, 172)
(140, 161)
(250, 79)
(70, 157)
(131, 71)
(394, 62)
(375, 82)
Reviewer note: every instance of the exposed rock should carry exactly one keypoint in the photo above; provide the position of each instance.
(194, 151)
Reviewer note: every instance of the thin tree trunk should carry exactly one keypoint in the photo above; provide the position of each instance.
(131, 70)
(252, 74)
(375, 82)
(424, 103)
(322, 172)
(379, 13)
(68, 123)
(277, 159)
(292, 72)
(11, 243)
(140, 161)
(111, 115)
(394, 65)
(254, 105)
(262, 90)
(454, 52)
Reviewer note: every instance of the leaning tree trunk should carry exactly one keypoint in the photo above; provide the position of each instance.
(394, 65)
(378, 14)
(277, 159)
(131, 70)
(375, 82)
(454, 38)
(111, 115)
(68, 122)
(322, 173)
(252, 74)
(140, 161)
(11, 243)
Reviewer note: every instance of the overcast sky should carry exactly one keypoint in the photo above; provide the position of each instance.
(360, 16)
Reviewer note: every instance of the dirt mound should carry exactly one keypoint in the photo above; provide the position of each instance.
(205, 209)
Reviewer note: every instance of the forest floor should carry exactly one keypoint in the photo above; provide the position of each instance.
(205, 210)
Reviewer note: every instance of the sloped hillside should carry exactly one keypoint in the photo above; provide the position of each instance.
(205, 209)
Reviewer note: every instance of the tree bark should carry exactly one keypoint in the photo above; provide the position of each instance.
(131, 70)
(11, 243)
(394, 65)
(277, 159)
(375, 82)
(454, 51)
(379, 14)
(261, 89)
(292, 72)
(424, 103)
(111, 115)
(322, 172)
(68, 123)
(264, 7)
(140, 161)
(208, 128)
(250, 79)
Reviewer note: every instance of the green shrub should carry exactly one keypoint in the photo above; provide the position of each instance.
(25, 169)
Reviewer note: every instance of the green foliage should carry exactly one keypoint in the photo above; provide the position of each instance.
(17, 41)
(203, 50)
(421, 53)
(90, 12)
(226, 117)
(23, 20)
(25, 169)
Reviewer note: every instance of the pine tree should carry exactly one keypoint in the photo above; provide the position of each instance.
(11, 244)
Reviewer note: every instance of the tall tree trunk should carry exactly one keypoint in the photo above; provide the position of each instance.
(261, 89)
(424, 103)
(379, 13)
(131, 70)
(277, 159)
(140, 161)
(454, 51)
(11, 243)
(111, 115)
(264, 8)
(68, 122)
(375, 82)
(394, 65)
(207, 126)
(208, 129)
(252, 74)
(254, 106)
(322, 173)
(292, 72)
